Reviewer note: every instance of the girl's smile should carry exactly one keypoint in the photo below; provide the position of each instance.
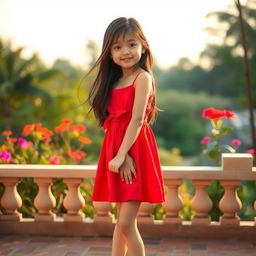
(127, 59)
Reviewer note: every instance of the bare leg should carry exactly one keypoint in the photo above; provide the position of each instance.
(119, 247)
(127, 224)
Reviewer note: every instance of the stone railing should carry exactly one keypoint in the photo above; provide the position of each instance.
(234, 169)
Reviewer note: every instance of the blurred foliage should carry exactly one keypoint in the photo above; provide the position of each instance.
(180, 124)
(170, 157)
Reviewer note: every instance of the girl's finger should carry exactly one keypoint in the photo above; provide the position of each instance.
(130, 178)
(127, 179)
(122, 176)
(133, 171)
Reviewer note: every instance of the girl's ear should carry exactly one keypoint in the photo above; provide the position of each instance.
(143, 50)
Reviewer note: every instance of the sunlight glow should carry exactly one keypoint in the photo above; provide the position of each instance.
(56, 28)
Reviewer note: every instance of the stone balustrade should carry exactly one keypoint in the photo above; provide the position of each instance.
(234, 169)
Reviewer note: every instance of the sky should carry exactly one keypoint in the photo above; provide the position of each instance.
(61, 28)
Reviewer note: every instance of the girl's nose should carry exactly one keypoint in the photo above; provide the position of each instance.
(126, 50)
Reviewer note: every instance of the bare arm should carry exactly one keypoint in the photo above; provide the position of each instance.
(142, 92)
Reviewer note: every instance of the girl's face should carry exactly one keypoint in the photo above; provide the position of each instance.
(126, 51)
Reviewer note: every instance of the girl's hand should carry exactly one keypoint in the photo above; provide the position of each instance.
(127, 169)
(116, 162)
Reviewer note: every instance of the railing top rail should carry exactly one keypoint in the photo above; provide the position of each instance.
(234, 167)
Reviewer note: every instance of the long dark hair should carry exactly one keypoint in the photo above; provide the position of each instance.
(108, 73)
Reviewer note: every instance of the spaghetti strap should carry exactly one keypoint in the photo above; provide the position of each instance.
(136, 77)
(153, 84)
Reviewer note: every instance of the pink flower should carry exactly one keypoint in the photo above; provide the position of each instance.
(54, 160)
(250, 151)
(236, 142)
(23, 143)
(5, 155)
(206, 140)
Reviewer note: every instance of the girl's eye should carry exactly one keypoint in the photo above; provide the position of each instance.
(116, 47)
(132, 45)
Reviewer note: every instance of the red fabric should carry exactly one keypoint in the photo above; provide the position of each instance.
(148, 185)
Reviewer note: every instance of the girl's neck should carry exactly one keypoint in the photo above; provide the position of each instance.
(130, 72)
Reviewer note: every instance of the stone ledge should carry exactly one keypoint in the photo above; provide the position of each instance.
(246, 230)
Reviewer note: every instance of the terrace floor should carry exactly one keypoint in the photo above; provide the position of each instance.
(99, 246)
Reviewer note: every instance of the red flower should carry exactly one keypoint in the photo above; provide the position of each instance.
(46, 132)
(77, 156)
(61, 128)
(84, 140)
(78, 127)
(28, 129)
(67, 121)
(47, 139)
(229, 114)
(213, 113)
(54, 159)
(12, 139)
(7, 133)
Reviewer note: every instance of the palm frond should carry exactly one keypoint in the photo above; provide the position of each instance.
(49, 74)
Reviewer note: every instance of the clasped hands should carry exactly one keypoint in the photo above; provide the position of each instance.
(126, 165)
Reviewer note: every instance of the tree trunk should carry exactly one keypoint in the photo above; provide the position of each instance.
(247, 78)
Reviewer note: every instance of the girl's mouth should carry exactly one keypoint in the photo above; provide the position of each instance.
(126, 59)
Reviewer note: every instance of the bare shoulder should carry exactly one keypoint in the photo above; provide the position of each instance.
(144, 81)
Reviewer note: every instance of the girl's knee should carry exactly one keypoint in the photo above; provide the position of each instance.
(125, 227)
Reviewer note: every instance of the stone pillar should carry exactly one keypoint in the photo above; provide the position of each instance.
(201, 203)
(73, 201)
(173, 203)
(44, 201)
(230, 203)
(145, 215)
(10, 200)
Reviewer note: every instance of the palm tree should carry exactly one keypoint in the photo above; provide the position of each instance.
(232, 33)
(19, 78)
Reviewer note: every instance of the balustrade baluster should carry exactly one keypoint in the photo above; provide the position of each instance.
(73, 201)
(10, 200)
(103, 211)
(201, 203)
(173, 201)
(144, 214)
(230, 203)
(44, 201)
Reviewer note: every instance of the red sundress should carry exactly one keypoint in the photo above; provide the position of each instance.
(148, 184)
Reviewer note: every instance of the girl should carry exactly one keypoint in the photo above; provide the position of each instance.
(123, 100)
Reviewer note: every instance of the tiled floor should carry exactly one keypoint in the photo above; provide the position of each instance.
(99, 246)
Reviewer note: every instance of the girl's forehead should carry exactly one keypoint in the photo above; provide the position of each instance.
(125, 36)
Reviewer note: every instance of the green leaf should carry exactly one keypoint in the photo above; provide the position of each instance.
(225, 130)
(211, 146)
(232, 150)
(214, 154)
